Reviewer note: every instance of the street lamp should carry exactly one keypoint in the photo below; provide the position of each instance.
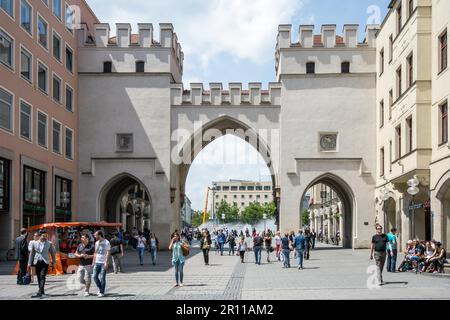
(264, 217)
(223, 218)
(413, 190)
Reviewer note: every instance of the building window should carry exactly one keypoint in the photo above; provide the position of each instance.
(69, 144)
(399, 82)
(382, 114)
(25, 120)
(243, 197)
(140, 66)
(43, 32)
(107, 67)
(258, 188)
(34, 197)
(381, 162)
(391, 103)
(69, 98)
(235, 196)
(69, 59)
(242, 188)
(234, 188)
(266, 196)
(410, 63)
(310, 68)
(56, 46)
(26, 65)
(409, 131)
(4, 184)
(226, 188)
(345, 67)
(251, 188)
(381, 61)
(391, 47)
(258, 196)
(399, 18)
(410, 7)
(242, 204)
(250, 196)
(8, 6)
(56, 89)
(57, 8)
(6, 110)
(26, 16)
(42, 78)
(56, 137)
(443, 59)
(63, 199)
(6, 50)
(42, 129)
(267, 188)
(70, 18)
(398, 146)
(444, 123)
(124, 142)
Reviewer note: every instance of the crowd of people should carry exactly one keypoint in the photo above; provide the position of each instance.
(419, 256)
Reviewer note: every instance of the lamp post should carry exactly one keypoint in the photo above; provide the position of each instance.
(413, 190)
(65, 200)
(223, 218)
(264, 217)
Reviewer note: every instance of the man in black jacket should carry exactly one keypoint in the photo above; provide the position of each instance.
(21, 254)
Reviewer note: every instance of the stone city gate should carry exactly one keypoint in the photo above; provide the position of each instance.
(139, 124)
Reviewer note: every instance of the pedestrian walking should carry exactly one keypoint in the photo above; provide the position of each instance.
(178, 258)
(32, 268)
(40, 258)
(291, 240)
(153, 247)
(258, 242)
(392, 250)
(300, 245)
(308, 243)
(378, 250)
(85, 252)
(134, 235)
(313, 238)
(141, 244)
(221, 239)
(286, 249)
(117, 253)
(205, 245)
(100, 262)
(242, 248)
(268, 244)
(278, 245)
(21, 254)
(231, 244)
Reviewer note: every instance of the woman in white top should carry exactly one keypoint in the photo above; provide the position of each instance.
(278, 245)
(154, 245)
(30, 246)
(141, 244)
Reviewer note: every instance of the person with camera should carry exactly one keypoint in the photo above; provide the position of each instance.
(179, 250)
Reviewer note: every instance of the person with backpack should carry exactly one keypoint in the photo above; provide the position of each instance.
(178, 258)
(231, 244)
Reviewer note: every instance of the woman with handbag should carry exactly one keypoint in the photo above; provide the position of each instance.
(205, 245)
(179, 252)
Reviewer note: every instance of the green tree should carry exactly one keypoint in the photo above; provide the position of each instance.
(305, 217)
(197, 218)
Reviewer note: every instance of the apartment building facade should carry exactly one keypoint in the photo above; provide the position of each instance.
(38, 112)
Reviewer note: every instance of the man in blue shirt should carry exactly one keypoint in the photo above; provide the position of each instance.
(391, 249)
(300, 246)
(221, 238)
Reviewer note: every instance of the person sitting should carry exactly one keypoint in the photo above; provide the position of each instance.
(438, 261)
(409, 253)
(430, 251)
(418, 256)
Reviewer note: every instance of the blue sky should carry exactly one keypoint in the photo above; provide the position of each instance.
(234, 41)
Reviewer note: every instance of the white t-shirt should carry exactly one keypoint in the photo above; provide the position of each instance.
(153, 243)
(278, 240)
(141, 242)
(102, 248)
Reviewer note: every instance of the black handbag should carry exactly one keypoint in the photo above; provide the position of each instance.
(26, 279)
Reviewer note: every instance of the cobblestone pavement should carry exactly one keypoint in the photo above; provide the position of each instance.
(331, 273)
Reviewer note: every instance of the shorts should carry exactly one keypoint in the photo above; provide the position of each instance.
(85, 274)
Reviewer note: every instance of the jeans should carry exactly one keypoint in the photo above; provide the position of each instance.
(206, 255)
(231, 249)
(300, 253)
(141, 255)
(221, 248)
(380, 259)
(99, 277)
(257, 250)
(117, 262)
(85, 275)
(41, 272)
(179, 271)
(313, 243)
(23, 264)
(391, 261)
(242, 254)
(286, 262)
(153, 251)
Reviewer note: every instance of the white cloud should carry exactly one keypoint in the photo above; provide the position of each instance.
(245, 30)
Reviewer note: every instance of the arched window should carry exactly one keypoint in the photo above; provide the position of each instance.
(140, 66)
(107, 67)
(345, 67)
(310, 67)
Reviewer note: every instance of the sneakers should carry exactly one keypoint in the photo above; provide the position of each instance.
(100, 295)
(181, 285)
(86, 294)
